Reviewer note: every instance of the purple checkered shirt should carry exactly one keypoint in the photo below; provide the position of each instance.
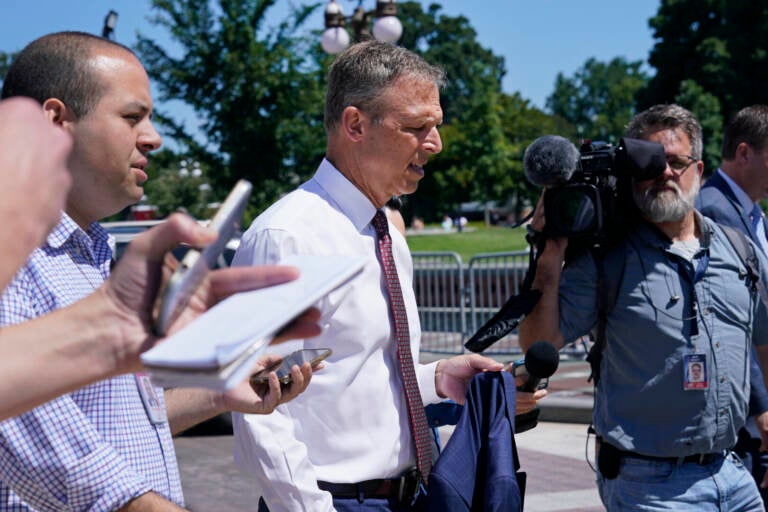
(94, 449)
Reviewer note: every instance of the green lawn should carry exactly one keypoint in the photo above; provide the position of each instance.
(480, 239)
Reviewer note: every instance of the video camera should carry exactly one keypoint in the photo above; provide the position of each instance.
(587, 199)
(588, 190)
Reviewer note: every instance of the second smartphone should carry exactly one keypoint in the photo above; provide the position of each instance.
(198, 261)
(283, 368)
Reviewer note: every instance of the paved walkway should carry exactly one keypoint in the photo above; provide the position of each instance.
(559, 477)
(553, 455)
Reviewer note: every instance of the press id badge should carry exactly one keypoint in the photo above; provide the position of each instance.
(152, 404)
(695, 369)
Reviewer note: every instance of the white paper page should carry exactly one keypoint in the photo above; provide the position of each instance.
(243, 320)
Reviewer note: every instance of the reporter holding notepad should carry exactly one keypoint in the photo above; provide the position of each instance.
(107, 446)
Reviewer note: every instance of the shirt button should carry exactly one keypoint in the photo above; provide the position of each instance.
(722, 379)
(717, 344)
(707, 311)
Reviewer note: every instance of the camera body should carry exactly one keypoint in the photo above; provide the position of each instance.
(594, 204)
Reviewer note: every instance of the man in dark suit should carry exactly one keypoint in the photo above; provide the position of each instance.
(731, 197)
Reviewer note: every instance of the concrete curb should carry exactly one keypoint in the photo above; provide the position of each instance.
(567, 407)
(571, 395)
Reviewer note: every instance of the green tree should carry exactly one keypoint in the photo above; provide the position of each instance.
(485, 130)
(451, 42)
(259, 96)
(256, 92)
(523, 123)
(721, 46)
(177, 183)
(5, 62)
(475, 161)
(706, 108)
(599, 99)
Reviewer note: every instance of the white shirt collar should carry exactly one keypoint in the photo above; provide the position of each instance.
(350, 200)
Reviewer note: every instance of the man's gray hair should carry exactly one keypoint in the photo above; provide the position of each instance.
(663, 117)
(359, 76)
(749, 125)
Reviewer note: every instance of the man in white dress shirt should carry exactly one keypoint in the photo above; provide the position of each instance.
(346, 443)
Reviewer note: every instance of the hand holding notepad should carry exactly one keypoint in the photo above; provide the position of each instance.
(218, 349)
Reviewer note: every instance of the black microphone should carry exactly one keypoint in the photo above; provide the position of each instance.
(550, 160)
(540, 362)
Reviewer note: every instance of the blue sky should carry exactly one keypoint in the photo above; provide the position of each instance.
(537, 38)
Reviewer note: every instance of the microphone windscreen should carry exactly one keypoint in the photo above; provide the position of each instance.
(550, 160)
(542, 359)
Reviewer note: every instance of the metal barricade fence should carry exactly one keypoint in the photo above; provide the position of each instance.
(455, 300)
(438, 281)
(493, 279)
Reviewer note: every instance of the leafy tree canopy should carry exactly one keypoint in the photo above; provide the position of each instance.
(180, 184)
(483, 139)
(257, 93)
(599, 99)
(720, 45)
(706, 108)
(5, 62)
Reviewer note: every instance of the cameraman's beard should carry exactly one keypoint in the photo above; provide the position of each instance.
(665, 205)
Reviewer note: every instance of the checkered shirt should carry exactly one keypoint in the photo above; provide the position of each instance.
(94, 449)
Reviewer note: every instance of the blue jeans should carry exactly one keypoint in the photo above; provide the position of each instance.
(723, 485)
(748, 449)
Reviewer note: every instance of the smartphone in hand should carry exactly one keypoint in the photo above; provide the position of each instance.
(283, 367)
(197, 262)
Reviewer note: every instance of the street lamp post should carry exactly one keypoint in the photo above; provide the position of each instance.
(110, 22)
(386, 28)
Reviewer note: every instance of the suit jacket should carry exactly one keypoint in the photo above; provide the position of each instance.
(477, 471)
(718, 202)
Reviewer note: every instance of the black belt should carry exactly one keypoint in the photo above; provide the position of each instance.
(403, 489)
(609, 458)
(702, 459)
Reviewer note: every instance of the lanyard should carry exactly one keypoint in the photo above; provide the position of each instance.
(685, 269)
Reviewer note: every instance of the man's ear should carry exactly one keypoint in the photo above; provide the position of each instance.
(742, 153)
(57, 112)
(353, 123)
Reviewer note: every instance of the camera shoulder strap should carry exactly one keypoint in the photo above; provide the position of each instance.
(748, 257)
(610, 272)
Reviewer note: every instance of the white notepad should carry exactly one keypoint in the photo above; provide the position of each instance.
(219, 349)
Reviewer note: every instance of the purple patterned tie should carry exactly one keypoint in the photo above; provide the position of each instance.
(416, 416)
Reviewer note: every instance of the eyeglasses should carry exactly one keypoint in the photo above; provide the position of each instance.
(679, 163)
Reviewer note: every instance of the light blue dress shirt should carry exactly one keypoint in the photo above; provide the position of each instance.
(640, 403)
